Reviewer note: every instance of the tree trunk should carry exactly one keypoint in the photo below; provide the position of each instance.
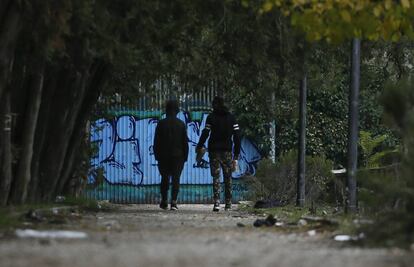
(71, 144)
(5, 150)
(66, 108)
(42, 133)
(94, 87)
(23, 174)
(9, 30)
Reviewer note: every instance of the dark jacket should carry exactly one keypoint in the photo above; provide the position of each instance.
(223, 130)
(170, 141)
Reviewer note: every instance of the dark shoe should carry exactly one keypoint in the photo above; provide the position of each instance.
(269, 221)
(216, 207)
(227, 207)
(163, 205)
(174, 206)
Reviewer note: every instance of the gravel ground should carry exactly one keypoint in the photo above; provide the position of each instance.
(144, 235)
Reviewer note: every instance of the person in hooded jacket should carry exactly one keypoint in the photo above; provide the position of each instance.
(223, 148)
(171, 152)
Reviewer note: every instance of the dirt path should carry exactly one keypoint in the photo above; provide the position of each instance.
(143, 235)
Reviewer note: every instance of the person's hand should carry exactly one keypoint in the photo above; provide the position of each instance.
(234, 165)
(200, 151)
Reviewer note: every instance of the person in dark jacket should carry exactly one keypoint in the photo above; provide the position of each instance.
(171, 152)
(223, 130)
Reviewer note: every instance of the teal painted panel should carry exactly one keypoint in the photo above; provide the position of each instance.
(151, 193)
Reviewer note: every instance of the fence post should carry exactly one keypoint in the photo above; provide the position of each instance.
(351, 202)
(300, 196)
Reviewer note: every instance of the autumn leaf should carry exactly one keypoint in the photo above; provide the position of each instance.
(405, 3)
(345, 16)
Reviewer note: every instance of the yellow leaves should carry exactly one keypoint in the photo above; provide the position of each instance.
(405, 3)
(345, 15)
(245, 3)
(338, 20)
(299, 2)
(388, 4)
(357, 32)
(378, 10)
(314, 36)
(391, 29)
(373, 36)
(349, 3)
(396, 24)
(319, 8)
(278, 3)
(267, 6)
(361, 5)
(395, 37)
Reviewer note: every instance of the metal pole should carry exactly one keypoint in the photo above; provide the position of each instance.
(300, 197)
(351, 203)
(272, 131)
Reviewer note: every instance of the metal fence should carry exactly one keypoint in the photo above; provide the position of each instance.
(124, 167)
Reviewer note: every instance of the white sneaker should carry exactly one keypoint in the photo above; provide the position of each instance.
(216, 207)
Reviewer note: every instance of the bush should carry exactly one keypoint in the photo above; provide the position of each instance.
(380, 189)
(277, 181)
(375, 152)
(389, 196)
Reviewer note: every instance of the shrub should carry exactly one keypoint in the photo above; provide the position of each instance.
(277, 181)
(373, 152)
(390, 196)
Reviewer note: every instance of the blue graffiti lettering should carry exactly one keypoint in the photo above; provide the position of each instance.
(126, 155)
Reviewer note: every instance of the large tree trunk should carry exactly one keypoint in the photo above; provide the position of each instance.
(66, 108)
(75, 146)
(9, 30)
(23, 173)
(42, 131)
(5, 150)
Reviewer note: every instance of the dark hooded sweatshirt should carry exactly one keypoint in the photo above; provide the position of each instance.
(223, 130)
(170, 141)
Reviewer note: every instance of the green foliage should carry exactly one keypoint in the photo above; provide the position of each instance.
(385, 196)
(380, 189)
(389, 193)
(277, 181)
(391, 229)
(335, 21)
(372, 157)
(248, 57)
(253, 115)
(84, 204)
(326, 121)
(8, 219)
(327, 108)
(192, 44)
(289, 214)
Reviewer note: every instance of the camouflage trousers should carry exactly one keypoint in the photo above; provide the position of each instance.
(221, 161)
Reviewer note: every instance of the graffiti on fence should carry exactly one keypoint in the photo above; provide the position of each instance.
(125, 154)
